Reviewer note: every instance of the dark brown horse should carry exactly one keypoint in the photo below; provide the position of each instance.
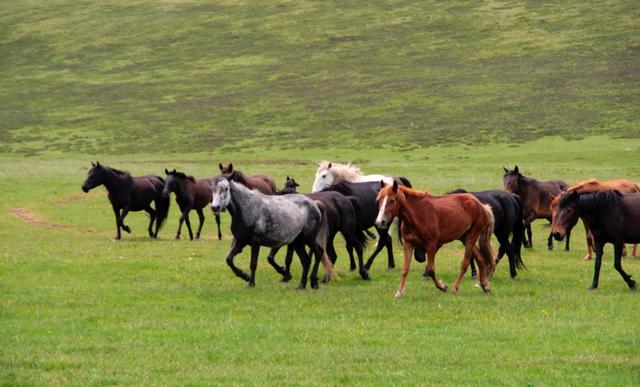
(536, 199)
(612, 217)
(191, 194)
(127, 193)
(262, 183)
(590, 186)
(290, 186)
(431, 221)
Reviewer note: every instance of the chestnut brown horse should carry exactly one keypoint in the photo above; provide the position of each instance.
(536, 199)
(262, 183)
(593, 185)
(429, 222)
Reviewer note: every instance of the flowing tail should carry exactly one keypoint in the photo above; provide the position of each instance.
(484, 241)
(162, 210)
(518, 233)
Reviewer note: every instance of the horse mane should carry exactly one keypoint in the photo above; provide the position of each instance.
(123, 174)
(458, 190)
(595, 201)
(346, 171)
(582, 184)
(413, 192)
(181, 175)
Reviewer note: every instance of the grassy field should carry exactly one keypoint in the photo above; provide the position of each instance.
(444, 93)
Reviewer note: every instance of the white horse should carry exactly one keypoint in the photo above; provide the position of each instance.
(329, 173)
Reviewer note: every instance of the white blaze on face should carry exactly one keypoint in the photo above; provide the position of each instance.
(381, 216)
(324, 179)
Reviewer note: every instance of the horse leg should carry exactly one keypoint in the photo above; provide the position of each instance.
(272, 261)
(528, 242)
(124, 213)
(236, 248)
(306, 262)
(596, 272)
(185, 215)
(287, 264)
(469, 245)
(550, 242)
(408, 255)
(152, 218)
(635, 250)
(364, 273)
(379, 246)
(566, 246)
(255, 249)
(506, 248)
(474, 271)
(201, 217)
(590, 243)
(431, 268)
(317, 252)
(180, 221)
(116, 212)
(389, 244)
(618, 265)
(352, 261)
(217, 216)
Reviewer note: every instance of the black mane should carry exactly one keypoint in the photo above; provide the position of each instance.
(122, 174)
(181, 175)
(594, 201)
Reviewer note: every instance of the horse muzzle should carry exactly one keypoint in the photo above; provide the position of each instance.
(216, 209)
(382, 223)
(85, 189)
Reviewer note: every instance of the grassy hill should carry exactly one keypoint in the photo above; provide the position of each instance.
(143, 76)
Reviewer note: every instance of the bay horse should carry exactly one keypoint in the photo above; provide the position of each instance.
(128, 193)
(535, 197)
(431, 221)
(613, 217)
(272, 221)
(262, 183)
(508, 221)
(191, 194)
(593, 185)
(329, 173)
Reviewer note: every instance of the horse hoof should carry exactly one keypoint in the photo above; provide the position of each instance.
(633, 285)
(425, 277)
(353, 268)
(486, 290)
(444, 288)
(550, 247)
(364, 275)
(398, 294)
(586, 258)
(315, 286)
(285, 278)
(391, 267)
(592, 288)
(177, 237)
(566, 249)
(300, 287)
(127, 229)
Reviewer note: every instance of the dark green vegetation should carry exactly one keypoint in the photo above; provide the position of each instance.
(402, 87)
(122, 77)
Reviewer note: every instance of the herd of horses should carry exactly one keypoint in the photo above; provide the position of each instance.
(346, 201)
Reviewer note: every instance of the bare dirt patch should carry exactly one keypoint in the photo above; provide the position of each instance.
(29, 217)
(79, 197)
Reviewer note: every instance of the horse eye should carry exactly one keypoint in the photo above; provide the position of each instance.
(325, 175)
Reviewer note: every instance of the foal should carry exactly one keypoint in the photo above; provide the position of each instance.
(290, 186)
(191, 194)
(431, 221)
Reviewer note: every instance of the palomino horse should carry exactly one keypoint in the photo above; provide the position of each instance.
(431, 221)
(272, 221)
(535, 197)
(191, 194)
(329, 173)
(127, 193)
(507, 213)
(612, 217)
(593, 185)
(262, 183)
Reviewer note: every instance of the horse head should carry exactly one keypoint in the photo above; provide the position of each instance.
(389, 201)
(565, 213)
(94, 177)
(221, 194)
(511, 179)
(324, 177)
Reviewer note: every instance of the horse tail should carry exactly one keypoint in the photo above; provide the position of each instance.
(360, 240)
(405, 181)
(321, 240)
(485, 239)
(162, 209)
(518, 233)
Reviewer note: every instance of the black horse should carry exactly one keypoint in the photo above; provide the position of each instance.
(507, 212)
(290, 186)
(127, 193)
(191, 194)
(365, 195)
(612, 217)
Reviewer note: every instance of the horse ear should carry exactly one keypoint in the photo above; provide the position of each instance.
(220, 165)
(516, 169)
(288, 178)
(295, 183)
(93, 164)
(230, 167)
(329, 165)
(395, 186)
(505, 169)
(166, 172)
(174, 170)
(382, 183)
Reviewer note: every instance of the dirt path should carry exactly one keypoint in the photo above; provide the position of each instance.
(29, 217)
(79, 197)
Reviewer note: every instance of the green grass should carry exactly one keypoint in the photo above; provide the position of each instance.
(444, 93)
(79, 308)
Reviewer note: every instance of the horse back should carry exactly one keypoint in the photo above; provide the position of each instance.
(263, 183)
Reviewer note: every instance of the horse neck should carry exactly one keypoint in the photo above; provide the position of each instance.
(408, 209)
(114, 182)
(183, 187)
(240, 198)
(347, 173)
(240, 178)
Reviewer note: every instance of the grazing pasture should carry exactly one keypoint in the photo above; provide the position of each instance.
(442, 93)
(78, 307)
